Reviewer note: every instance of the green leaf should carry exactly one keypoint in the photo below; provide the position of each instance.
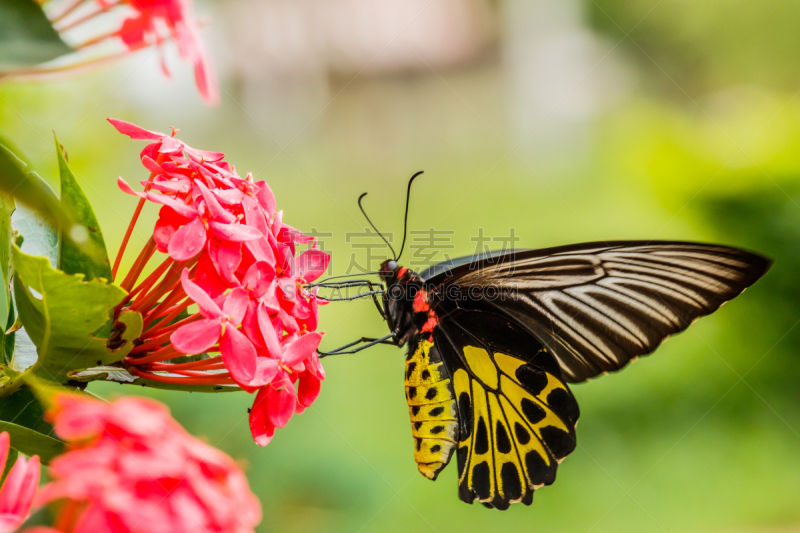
(10, 461)
(26, 36)
(31, 190)
(22, 416)
(7, 316)
(23, 408)
(74, 258)
(31, 442)
(65, 315)
(39, 237)
(25, 354)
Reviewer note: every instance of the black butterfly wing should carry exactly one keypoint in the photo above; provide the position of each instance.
(597, 306)
(516, 416)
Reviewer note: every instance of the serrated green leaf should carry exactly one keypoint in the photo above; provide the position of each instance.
(27, 37)
(61, 314)
(74, 257)
(31, 442)
(31, 190)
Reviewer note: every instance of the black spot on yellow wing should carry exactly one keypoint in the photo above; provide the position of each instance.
(432, 408)
(516, 423)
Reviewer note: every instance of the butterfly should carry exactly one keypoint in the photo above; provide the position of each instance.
(495, 340)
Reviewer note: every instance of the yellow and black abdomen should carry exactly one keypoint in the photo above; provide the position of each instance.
(432, 406)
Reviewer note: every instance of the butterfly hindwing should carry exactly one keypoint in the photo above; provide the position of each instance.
(516, 416)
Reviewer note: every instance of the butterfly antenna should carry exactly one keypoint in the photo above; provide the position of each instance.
(373, 226)
(405, 219)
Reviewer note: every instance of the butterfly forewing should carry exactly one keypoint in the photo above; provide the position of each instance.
(597, 306)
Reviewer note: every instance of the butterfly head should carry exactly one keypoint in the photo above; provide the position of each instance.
(389, 271)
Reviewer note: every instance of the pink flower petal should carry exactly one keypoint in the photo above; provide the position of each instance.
(203, 71)
(188, 241)
(238, 354)
(171, 145)
(226, 257)
(123, 185)
(214, 208)
(301, 349)
(196, 337)
(271, 340)
(207, 278)
(266, 198)
(261, 250)
(253, 215)
(179, 207)
(207, 306)
(258, 278)
(250, 324)
(230, 196)
(281, 401)
(307, 389)
(266, 370)
(311, 264)
(19, 488)
(151, 165)
(235, 305)
(261, 428)
(234, 232)
(134, 132)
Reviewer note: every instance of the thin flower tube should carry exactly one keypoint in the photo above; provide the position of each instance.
(227, 251)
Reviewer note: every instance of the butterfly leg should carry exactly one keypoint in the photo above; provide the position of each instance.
(338, 285)
(368, 341)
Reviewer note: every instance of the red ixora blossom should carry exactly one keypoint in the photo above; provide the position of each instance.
(229, 252)
(131, 468)
(128, 26)
(19, 488)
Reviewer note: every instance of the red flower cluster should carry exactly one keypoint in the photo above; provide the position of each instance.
(19, 488)
(141, 23)
(130, 468)
(230, 253)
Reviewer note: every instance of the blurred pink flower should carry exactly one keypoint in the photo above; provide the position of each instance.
(131, 468)
(19, 488)
(138, 24)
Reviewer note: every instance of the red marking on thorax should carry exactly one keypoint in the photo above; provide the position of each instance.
(402, 271)
(433, 321)
(421, 302)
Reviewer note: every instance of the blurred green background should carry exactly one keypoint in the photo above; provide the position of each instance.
(566, 120)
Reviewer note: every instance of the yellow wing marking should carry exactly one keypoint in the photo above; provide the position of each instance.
(512, 482)
(481, 364)
(525, 440)
(461, 386)
(539, 415)
(481, 466)
(508, 364)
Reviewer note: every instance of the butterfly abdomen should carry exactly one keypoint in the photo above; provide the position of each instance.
(431, 405)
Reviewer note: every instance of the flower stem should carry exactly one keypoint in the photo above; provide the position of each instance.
(12, 385)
